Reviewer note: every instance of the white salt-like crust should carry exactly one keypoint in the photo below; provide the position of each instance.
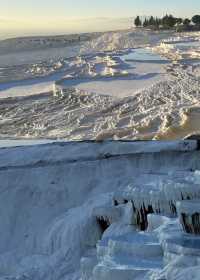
(119, 96)
(57, 192)
(161, 195)
(188, 207)
(56, 199)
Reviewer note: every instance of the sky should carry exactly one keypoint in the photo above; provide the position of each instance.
(21, 17)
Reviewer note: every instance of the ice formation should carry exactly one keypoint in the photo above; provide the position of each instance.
(57, 225)
(158, 197)
(189, 214)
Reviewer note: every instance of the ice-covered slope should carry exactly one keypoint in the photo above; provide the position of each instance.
(49, 193)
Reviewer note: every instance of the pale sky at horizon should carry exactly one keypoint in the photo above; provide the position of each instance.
(83, 15)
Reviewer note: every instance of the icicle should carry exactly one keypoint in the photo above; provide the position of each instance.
(189, 215)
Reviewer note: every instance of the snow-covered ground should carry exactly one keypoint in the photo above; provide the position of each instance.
(56, 225)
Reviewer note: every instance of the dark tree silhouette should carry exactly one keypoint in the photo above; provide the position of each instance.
(186, 21)
(169, 22)
(146, 23)
(196, 19)
(152, 21)
(138, 22)
(179, 20)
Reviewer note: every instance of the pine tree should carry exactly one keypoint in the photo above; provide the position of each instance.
(138, 22)
(151, 21)
(146, 23)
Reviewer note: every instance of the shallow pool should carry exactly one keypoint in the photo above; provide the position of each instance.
(187, 44)
(144, 55)
(5, 143)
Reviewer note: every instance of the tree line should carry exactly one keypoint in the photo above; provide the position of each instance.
(169, 22)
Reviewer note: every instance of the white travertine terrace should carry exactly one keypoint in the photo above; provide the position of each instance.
(75, 217)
